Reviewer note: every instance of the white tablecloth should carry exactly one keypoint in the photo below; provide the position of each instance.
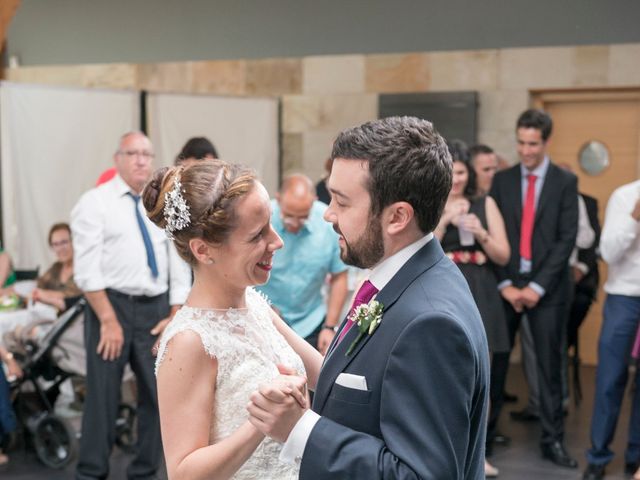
(22, 317)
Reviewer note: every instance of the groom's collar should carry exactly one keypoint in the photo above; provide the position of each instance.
(382, 273)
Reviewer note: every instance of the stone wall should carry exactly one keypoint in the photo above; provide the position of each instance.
(323, 94)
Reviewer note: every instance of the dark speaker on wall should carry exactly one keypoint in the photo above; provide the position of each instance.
(454, 114)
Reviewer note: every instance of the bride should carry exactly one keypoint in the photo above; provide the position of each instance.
(226, 340)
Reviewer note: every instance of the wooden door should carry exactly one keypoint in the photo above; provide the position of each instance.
(612, 118)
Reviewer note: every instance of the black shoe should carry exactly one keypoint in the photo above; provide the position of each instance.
(500, 439)
(509, 397)
(630, 468)
(557, 454)
(593, 472)
(524, 415)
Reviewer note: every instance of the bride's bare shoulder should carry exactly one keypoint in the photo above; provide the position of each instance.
(184, 354)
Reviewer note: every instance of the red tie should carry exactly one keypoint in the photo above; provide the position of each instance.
(364, 295)
(528, 218)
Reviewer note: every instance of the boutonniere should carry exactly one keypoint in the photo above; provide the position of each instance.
(367, 316)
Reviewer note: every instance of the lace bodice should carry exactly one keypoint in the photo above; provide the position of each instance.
(248, 347)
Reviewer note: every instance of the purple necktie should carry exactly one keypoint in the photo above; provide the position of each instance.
(364, 295)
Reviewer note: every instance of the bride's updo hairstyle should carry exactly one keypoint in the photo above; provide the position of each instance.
(197, 201)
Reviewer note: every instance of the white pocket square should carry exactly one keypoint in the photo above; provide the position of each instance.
(349, 380)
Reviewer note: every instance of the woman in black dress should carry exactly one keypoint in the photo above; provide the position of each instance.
(486, 244)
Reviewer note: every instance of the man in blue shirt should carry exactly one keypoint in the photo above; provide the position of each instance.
(300, 268)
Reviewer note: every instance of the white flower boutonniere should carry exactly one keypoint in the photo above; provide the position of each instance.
(367, 316)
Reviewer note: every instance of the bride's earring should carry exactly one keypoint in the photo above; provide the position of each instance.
(209, 261)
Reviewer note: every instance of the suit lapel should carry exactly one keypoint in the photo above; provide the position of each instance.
(335, 363)
(548, 187)
(332, 345)
(337, 360)
(514, 194)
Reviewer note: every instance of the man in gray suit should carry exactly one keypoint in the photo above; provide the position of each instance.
(407, 398)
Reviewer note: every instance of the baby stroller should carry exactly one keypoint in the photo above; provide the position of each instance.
(45, 361)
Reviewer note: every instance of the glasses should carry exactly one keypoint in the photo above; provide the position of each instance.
(137, 153)
(61, 243)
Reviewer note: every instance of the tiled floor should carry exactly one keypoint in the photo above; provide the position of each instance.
(519, 461)
(522, 461)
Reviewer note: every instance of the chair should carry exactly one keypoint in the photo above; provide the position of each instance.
(27, 274)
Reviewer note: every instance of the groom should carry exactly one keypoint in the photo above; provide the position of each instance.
(408, 400)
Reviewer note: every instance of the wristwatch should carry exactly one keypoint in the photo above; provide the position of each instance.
(330, 327)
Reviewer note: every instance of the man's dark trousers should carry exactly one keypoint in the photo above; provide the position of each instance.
(137, 316)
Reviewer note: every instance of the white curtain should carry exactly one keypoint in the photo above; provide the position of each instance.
(243, 130)
(54, 143)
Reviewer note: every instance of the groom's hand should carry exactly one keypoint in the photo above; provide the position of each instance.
(275, 412)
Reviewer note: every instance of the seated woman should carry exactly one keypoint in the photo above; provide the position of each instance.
(7, 417)
(57, 283)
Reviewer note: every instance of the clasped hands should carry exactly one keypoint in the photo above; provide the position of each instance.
(457, 213)
(275, 408)
(520, 298)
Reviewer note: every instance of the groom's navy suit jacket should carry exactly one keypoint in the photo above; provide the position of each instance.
(423, 415)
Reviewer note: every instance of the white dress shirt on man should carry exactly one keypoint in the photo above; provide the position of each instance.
(104, 257)
(620, 242)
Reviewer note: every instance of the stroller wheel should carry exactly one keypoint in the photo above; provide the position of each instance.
(126, 437)
(55, 442)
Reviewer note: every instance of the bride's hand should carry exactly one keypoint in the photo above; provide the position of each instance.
(286, 385)
(289, 371)
(277, 407)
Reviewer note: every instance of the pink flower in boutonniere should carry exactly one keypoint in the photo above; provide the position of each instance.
(367, 316)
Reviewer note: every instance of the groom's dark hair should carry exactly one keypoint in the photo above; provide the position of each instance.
(408, 161)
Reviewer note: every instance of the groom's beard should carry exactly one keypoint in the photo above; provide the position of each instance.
(367, 250)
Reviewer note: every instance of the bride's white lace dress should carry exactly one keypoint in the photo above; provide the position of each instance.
(248, 347)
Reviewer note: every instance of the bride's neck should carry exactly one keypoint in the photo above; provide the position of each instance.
(210, 292)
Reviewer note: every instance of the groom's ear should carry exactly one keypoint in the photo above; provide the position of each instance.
(399, 216)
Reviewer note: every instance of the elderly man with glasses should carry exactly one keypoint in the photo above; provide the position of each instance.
(310, 254)
(134, 281)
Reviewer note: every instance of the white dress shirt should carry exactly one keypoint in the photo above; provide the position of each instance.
(109, 251)
(585, 238)
(620, 242)
(381, 274)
